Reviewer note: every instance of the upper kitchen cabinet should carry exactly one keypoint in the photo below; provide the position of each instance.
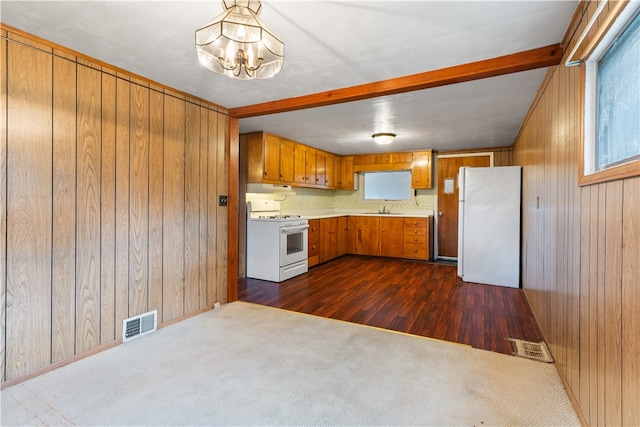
(421, 169)
(382, 162)
(269, 159)
(346, 181)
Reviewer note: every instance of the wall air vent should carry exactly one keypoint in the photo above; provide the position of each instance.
(531, 350)
(137, 326)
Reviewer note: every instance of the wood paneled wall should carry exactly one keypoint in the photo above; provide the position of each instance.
(581, 251)
(108, 204)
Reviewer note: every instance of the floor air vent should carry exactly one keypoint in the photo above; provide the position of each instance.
(531, 350)
(137, 326)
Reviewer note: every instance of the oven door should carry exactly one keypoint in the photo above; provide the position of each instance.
(293, 244)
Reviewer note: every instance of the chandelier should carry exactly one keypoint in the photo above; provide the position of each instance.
(238, 44)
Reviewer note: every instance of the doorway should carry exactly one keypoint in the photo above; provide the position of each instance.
(447, 218)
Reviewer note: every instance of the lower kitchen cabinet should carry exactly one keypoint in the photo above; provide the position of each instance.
(396, 237)
(368, 235)
(314, 242)
(343, 230)
(352, 235)
(418, 238)
(392, 237)
(328, 239)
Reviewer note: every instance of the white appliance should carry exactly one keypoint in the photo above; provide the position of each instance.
(489, 225)
(277, 245)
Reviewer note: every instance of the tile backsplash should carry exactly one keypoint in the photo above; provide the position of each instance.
(307, 199)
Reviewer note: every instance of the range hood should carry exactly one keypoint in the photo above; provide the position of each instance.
(269, 189)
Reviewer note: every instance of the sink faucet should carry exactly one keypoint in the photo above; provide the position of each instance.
(384, 209)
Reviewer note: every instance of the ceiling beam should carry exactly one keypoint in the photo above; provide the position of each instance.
(521, 61)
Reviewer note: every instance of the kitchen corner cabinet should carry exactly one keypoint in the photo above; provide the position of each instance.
(421, 170)
(328, 239)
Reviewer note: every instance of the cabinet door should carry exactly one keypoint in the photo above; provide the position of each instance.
(271, 158)
(369, 235)
(342, 235)
(321, 168)
(326, 230)
(310, 162)
(330, 170)
(286, 161)
(421, 172)
(352, 235)
(346, 173)
(392, 237)
(299, 164)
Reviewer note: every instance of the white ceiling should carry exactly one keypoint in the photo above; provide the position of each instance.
(330, 45)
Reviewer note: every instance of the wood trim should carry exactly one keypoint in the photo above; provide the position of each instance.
(626, 170)
(65, 362)
(613, 13)
(49, 47)
(521, 61)
(234, 173)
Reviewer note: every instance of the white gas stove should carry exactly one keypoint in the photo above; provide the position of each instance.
(276, 243)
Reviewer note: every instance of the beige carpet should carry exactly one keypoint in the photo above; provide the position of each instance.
(244, 364)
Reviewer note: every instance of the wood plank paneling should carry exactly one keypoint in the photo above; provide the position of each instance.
(224, 212)
(613, 304)
(29, 212)
(173, 215)
(156, 192)
(3, 199)
(577, 270)
(98, 199)
(121, 290)
(630, 345)
(108, 209)
(139, 201)
(212, 207)
(63, 292)
(203, 157)
(88, 209)
(191, 207)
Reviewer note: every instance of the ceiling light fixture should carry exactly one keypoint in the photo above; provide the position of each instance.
(238, 44)
(383, 138)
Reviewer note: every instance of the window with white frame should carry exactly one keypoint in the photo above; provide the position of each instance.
(612, 96)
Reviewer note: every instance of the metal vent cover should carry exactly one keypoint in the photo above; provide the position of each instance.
(531, 350)
(137, 326)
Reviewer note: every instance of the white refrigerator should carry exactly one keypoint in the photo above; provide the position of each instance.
(489, 225)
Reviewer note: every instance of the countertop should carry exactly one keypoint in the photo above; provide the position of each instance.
(360, 212)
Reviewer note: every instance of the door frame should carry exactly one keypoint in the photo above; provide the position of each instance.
(436, 210)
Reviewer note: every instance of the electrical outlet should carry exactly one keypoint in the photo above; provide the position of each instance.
(222, 201)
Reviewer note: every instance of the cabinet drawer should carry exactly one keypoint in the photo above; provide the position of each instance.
(415, 250)
(421, 239)
(415, 231)
(415, 222)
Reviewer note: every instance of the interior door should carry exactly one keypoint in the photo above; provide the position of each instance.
(448, 167)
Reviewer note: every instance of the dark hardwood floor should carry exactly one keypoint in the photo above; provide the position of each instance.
(415, 297)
